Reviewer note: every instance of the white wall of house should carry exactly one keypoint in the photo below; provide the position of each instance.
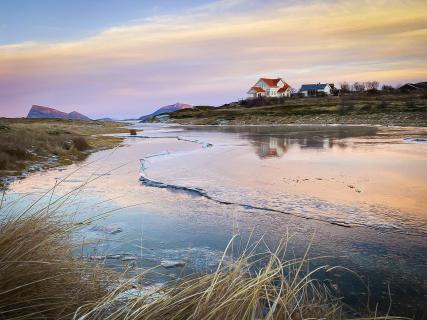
(269, 92)
(256, 94)
(287, 93)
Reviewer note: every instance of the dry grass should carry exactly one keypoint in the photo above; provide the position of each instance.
(40, 278)
(240, 290)
(27, 141)
(386, 109)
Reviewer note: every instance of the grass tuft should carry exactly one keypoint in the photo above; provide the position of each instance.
(40, 278)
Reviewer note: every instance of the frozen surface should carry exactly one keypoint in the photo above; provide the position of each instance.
(178, 194)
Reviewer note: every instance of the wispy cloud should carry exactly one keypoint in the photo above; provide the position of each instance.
(213, 53)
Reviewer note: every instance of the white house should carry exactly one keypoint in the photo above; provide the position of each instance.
(315, 89)
(270, 88)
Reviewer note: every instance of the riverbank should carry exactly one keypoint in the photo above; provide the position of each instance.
(397, 109)
(29, 145)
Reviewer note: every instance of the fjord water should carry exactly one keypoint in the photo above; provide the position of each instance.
(356, 195)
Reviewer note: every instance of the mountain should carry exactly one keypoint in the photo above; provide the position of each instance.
(45, 112)
(166, 109)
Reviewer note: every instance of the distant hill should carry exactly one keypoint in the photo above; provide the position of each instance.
(166, 109)
(51, 113)
(414, 86)
(422, 85)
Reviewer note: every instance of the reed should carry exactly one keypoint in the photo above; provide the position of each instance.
(42, 278)
(251, 287)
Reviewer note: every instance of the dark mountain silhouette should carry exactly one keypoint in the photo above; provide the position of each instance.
(51, 113)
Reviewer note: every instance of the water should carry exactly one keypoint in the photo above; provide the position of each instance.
(360, 192)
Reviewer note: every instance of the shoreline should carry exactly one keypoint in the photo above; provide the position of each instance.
(298, 124)
(41, 144)
(418, 120)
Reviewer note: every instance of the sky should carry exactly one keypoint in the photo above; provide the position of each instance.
(126, 58)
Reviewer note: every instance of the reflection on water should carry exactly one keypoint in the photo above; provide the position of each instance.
(275, 144)
(306, 179)
(272, 146)
(276, 141)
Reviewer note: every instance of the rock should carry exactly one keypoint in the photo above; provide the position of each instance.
(96, 257)
(114, 256)
(172, 263)
(129, 258)
(110, 229)
(419, 140)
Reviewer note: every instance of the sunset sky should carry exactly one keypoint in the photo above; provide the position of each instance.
(125, 58)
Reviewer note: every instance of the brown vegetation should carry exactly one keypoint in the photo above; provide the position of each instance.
(278, 290)
(50, 142)
(39, 276)
(405, 109)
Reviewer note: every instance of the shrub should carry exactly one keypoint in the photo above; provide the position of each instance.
(4, 161)
(345, 108)
(4, 127)
(383, 105)
(80, 144)
(15, 152)
(388, 88)
(366, 108)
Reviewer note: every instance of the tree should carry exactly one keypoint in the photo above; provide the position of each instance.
(344, 87)
(372, 85)
(359, 86)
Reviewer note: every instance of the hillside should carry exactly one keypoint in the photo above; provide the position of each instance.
(404, 109)
(166, 109)
(41, 112)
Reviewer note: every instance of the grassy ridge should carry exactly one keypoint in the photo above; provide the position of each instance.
(50, 142)
(406, 109)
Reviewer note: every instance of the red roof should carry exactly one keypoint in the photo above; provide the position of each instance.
(284, 88)
(271, 82)
(257, 89)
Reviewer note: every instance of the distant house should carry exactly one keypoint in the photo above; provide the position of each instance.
(265, 87)
(309, 90)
